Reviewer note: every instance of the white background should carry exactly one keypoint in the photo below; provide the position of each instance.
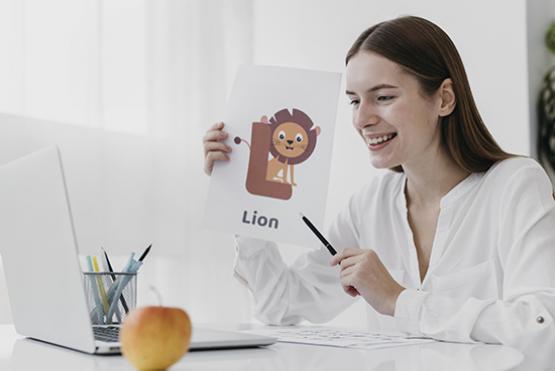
(135, 83)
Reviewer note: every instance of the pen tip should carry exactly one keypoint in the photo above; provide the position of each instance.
(302, 215)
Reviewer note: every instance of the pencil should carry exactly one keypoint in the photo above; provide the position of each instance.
(100, 285)
(318, 234)
(111, 270)
(145, 253)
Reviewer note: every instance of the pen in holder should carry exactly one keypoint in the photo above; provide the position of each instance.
(110, 295)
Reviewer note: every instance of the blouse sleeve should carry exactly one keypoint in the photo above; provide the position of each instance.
(523, 317)
(309, 289)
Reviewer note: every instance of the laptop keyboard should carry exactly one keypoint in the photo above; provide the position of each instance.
(108, 334)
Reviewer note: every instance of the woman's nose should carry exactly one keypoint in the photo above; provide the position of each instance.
(365, 116)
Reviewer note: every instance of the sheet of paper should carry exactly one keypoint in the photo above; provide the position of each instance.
(335, 337)
(281, 124)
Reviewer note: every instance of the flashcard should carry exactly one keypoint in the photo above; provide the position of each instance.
(281, 124)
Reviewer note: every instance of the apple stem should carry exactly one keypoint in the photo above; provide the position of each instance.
(157, 293)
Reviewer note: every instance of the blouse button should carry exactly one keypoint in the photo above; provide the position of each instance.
(539, 319)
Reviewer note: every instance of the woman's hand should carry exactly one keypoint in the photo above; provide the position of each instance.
(363, 273)
(214, 149)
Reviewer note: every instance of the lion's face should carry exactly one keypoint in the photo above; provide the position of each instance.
(290, 139)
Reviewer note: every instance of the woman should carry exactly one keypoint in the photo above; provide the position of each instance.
(457, 243)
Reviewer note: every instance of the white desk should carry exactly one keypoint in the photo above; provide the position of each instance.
(17, 353)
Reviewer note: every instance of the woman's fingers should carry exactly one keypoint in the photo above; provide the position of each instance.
(351, 291)
(348, 252)
(216, 147)
(214, 136)
(346, 280)
(214, 150)
(349, 262)
(215, 133)
(211, 157)
(347, 271)
(217, 126)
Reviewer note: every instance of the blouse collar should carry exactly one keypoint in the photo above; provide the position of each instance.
(459, 190)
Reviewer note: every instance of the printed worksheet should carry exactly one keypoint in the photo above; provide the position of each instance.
(336, 337)
(281, 124)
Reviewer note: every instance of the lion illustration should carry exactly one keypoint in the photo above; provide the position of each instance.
(293, 141)
(290, 139)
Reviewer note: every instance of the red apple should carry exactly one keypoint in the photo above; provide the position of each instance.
(154, 338)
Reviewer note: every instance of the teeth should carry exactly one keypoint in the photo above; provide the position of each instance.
(381, 139)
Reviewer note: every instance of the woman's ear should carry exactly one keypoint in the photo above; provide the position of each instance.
(447, 98)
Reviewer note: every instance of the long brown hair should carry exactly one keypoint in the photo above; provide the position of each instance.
(425, 51)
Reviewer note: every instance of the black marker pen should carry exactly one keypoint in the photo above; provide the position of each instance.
(318, 234)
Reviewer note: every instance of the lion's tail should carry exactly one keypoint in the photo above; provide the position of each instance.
(238, 140)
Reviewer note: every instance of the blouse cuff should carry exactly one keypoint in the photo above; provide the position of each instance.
(407, 310)
(249, 253)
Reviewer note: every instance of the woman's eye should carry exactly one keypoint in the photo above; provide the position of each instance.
(299, 138)
(354, 102)
(385, 98)
(281, 135)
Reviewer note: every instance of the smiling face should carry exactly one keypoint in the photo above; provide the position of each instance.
(398, 123)
(290, 139)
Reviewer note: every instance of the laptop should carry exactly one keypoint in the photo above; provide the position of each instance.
(41, 264)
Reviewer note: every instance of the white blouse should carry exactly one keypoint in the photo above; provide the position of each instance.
(491, 275)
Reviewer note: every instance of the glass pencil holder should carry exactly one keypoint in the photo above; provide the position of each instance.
(110, 296)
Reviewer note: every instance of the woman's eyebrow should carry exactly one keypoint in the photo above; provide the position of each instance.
(381, 86)
(374, 88)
